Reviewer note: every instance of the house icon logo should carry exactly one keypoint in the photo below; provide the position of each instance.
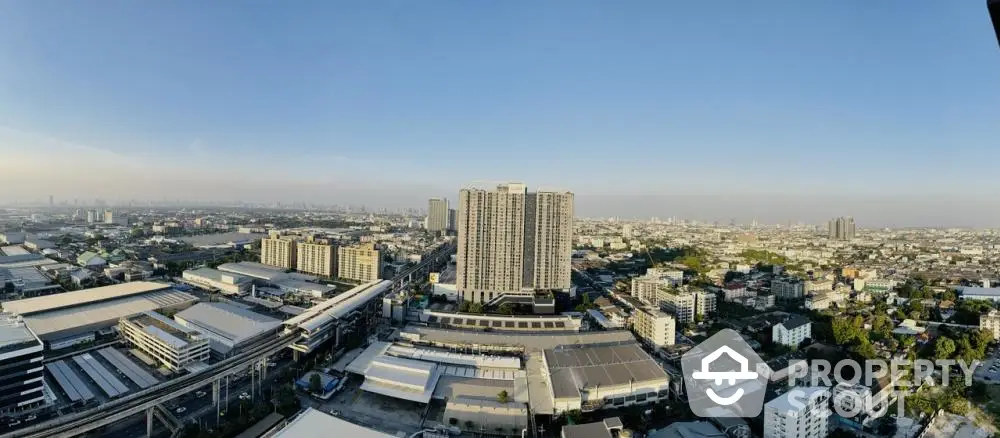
(722, 378)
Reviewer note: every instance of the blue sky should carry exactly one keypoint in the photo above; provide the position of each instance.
(699, 109)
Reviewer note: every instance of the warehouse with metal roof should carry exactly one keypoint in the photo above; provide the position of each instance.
(55, 318)
(592, 377)
(510, 323)
(227, 327)
(314, 423)
(18, 261)
(263, 272)
(28, 306)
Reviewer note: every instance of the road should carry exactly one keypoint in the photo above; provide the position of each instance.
(120, 410)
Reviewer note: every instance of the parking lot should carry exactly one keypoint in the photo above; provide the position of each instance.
(989, 370)
(374, 411)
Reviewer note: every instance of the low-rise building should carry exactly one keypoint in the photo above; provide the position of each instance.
(91, 259)
(608, 428)
(172, 344)
(227, 328)
(792, 331)
(877, 285)
(623, 375)
(818, 286)
(980, 293)
(12, 238)
(225, 282)
(735, 291)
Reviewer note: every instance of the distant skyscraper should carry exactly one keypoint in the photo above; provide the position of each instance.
(52, 201)
(452, 219)
(841, 228)
(513, 242)
(437, 215)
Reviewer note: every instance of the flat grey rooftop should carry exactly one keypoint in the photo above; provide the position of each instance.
(575, 367)
(228, 321)
(527, 341)
(221, 238)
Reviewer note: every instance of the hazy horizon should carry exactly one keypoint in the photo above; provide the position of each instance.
(787, 112)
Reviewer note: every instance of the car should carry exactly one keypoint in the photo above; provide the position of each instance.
(180, 410)
(200, 394)
(31, 417)
(335, 412)
(14, 423)
(245, 396)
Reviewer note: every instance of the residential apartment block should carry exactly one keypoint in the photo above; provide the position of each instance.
(279, 251)
(317, 256)
(513, 242)
(654, 327)
(704, 303)
(359, 263)
(991, 323)
(681, 304)
(800, 412)
(437, 215)
(792, 332)
(647, 289)
(787, 288)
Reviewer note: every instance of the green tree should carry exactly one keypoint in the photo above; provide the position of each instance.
(848, 330)
(476, 308)
(464, 306)
(882, 326)
(943, 348)
(865, 350)
(506, 308)
(315, 384)
(503, 397)
(574, 416)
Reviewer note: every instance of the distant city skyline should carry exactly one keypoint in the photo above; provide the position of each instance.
(870, 212)
(649, 109)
